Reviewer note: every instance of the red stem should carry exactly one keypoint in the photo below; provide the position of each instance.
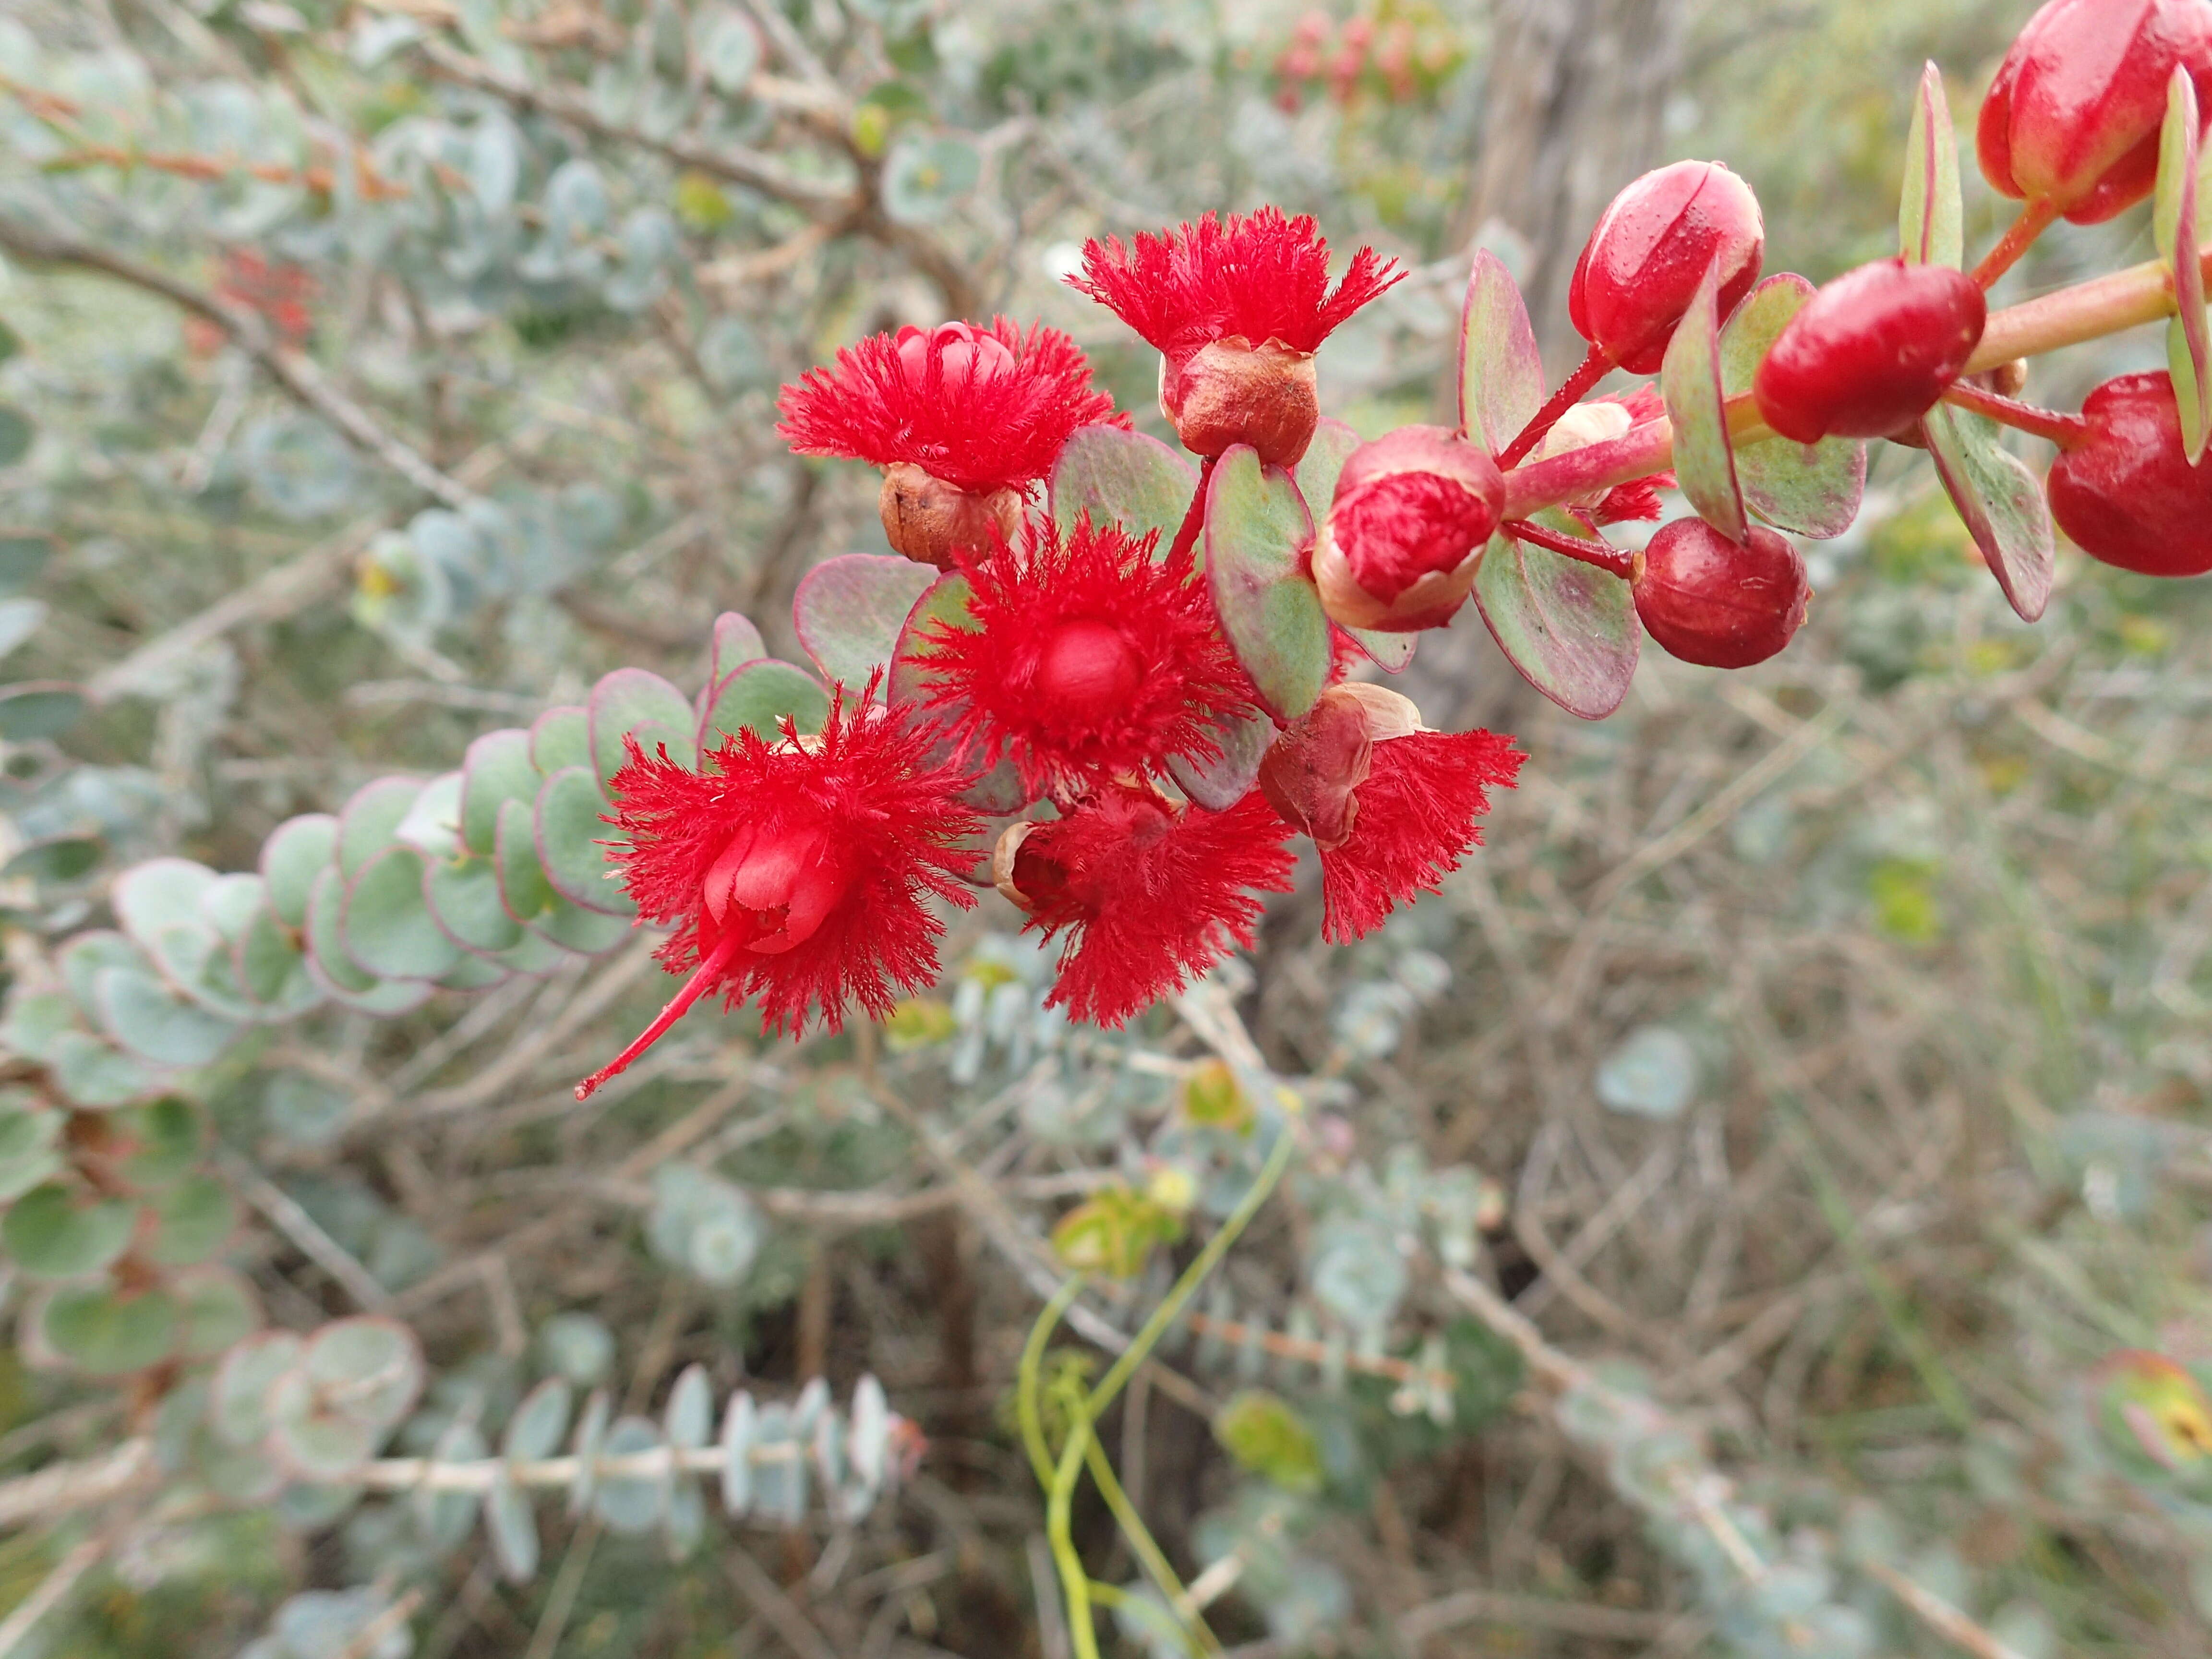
(2034, 219)
(1193, 519)
(703, 979)
(2064, 430)
(1593, 369)
(1604, 555)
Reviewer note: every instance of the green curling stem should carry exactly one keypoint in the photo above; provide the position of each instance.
(1074, 1582)
(1027, 1406)
(1171, 1308)
(1154, 1559)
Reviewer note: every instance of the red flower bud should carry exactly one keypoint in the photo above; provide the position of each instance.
(1871, 351)
(1397, 548)
(2072, 117)
(1642, 265)
(2126, 493)
(1231, 392)
(1723, 604)
(931, 521)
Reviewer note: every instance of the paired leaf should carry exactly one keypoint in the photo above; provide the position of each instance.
(1121, 477)
(1932, 216)
(569, 835)
(2001, 502)
(1258, 542)
(635, 704)
(1812, 489)
(1690, 380)
(387, 926)
(2174, 226)
(1501, 373)
(849, 612)
(756, 697)
(1568, 628)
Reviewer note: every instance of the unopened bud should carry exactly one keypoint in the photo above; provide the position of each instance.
(1397, 547)
(772, 887)
(1870, 352)
(2073, 116)
(1642, 265)
(1230, 391)
(1723, 604)
(930, 521)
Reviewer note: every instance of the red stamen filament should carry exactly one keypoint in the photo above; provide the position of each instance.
(1594, 367)
(702, 977)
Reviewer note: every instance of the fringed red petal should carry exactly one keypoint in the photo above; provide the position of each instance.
(1416, 820)
(980, 418)
(1149, 896)
(1263, 275)
(1089, 659)
(892, 813)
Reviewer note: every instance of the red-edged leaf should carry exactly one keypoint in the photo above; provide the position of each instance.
(1258, 548)
(1690, 380)
(1568, 627)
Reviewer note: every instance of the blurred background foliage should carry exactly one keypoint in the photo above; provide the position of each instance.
(1818, 1053)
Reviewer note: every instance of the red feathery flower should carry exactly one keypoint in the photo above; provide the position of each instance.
(983, 409)
(1149, 894)
(1089, 659)
(1262, 275)
(797, 871)
(1390, 804)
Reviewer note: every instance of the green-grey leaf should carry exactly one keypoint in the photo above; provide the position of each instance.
(16, 432)
(2173, 229)
(561, 736)
(1219, 784)
(849, 612)
(1932, 216)
(522, 884)
(569, 831)
(688, 1420)
(535, 1429)
(1568, 627)
(370, 820)
(23, 556)
(1690, 380)
(642, 707)
(148, 1020)
(497, 768)
(1501, 374)
(105, 1332)
(52, 1232)
(38, 709)
(193, 1219)
(2001, 502)
(1257, 537)
(754, 697)
(297, 851)
(632, 1503)
(512, 1528)
(19, 620)
(386, 924)
(1810, 489)
(1121, 477)
(464, 899)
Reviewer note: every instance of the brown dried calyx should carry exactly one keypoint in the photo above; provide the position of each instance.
(929, 520)
(1231, 392)
(1312, 773)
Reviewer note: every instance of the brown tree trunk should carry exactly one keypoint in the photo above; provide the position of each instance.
(1577, 88)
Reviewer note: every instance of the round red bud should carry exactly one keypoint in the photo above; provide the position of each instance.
(1870, 352)
(929, 520)
(1398, 546)
(1723, 604)
(1230, 391)
(774, 888)
(2073, 116)
(2126, 493)
(1642, 265)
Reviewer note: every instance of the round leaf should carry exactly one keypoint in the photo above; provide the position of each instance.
(1690, 380)
(371, 820)
(559, 738)
(386, 923)
(1568, 628)
(849, 609)
(105, 1332)
(642, 707)
(1812, 489)
(1121, 477)
(754, 698)
(54, 1232)
(535, 1429)
(296, 852)
(37, 710)
(1501, 374)
(497, 768)
(569, 835)
(1258, 537)
(632, 1503)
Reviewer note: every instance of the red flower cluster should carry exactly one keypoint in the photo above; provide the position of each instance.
(1087, 663)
